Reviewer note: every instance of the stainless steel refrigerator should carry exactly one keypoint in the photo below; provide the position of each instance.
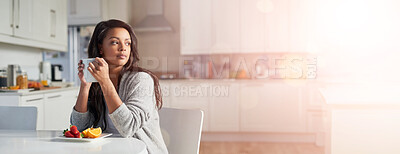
(78, 41)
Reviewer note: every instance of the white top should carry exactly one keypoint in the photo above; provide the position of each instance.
(32, 142)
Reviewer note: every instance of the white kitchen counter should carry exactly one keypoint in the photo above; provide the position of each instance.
(37, 92)
(362, 119)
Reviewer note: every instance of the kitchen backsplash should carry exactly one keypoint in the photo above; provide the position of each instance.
(238, 66)
(28, 58)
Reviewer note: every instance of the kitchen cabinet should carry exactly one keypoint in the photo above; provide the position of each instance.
(41, 20)
(251, 27)
(209, 27)
(301, 18)
(32, 19)
(58, 22)
(287, 108)
(91, 12)
(57, 109)
(166, 93)
(276, 30)
(271, 107)
(54, 107)
(244, 26)
(196, 28)
(219, 101)
(85, 12)
(225, 26)
(35, 23)
(191, 96)
(6, 25)
(224, 108)
(249, 106)
(38, 102)
(264, 26)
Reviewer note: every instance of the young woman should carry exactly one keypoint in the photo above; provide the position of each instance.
(126, 98)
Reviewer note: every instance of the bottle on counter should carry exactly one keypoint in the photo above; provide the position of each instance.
(3, 78)
(12, 70)
(44, 80)
(22, 80)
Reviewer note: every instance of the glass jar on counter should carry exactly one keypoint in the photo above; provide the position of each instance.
(22, 80)
(3, 78)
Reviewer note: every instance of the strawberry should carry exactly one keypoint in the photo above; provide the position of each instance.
(77, 135)
(68, 134)
(65, 131)
(74, 130)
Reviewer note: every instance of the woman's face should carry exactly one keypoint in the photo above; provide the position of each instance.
(116, 47)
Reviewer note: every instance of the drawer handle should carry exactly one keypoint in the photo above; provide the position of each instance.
(54, 96)
(31, 100)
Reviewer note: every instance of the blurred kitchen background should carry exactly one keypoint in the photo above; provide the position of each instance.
(272, 76)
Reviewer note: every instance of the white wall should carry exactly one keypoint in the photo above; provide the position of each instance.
(358, 40)
(28, 58)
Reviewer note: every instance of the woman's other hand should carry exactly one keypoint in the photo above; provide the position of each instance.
(99, 69)
(81, 66)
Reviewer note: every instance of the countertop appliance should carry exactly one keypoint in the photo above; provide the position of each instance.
(12, 70)
(45, 70)
(56, 71)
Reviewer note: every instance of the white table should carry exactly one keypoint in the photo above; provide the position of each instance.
(15, 141)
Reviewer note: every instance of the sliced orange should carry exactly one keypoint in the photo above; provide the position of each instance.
(85, 132)
(14, 87)
(94, 132)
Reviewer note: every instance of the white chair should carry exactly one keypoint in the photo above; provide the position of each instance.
(181, 130)
(18, 118)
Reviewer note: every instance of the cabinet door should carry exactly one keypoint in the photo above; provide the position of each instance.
(6, 24)
(81, 12)
(166, 93)
(58, 22)
(23, 18)
(196, 32)
(225, 26)
(188, 96)
(264, 26)
(301, 14)
(272, 107)
(276, 26)
(32, 19)
(58, 107)
(251, 27)
(38, 102)
(224, 108)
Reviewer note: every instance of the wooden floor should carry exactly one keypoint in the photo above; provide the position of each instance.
(259, 148)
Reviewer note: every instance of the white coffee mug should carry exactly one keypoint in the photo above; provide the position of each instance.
(86, 74)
